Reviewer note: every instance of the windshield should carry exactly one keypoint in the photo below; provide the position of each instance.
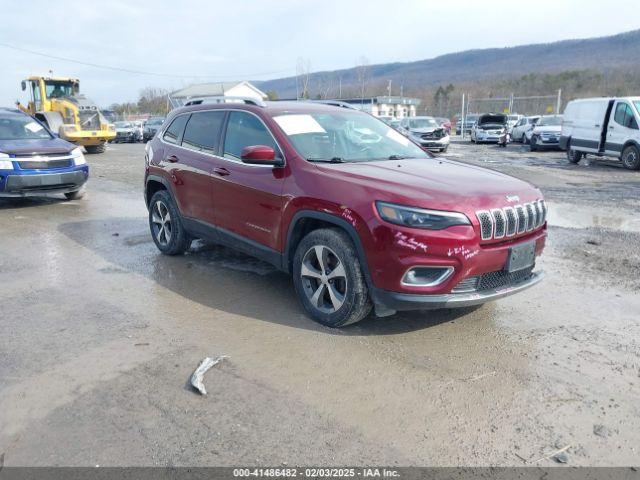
(21, 127)
(422, 123)
(58, 89)
(550, 121)
(345, 136)
(492, 119)
(122, 125)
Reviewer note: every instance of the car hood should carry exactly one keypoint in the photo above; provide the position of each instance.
(434, 183)
(35, 147)
(420, 131)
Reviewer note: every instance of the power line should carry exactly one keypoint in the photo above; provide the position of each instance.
(129, 70)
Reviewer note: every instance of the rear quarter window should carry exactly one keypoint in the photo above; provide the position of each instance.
(174, 132)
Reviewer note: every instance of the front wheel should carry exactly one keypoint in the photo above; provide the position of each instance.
(631, 158)
(533, 145)
(166, 225)
(91, 149)
(77, 195)
(573, 156)
(329, 280)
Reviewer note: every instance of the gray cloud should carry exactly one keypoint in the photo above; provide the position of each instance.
(252, 39)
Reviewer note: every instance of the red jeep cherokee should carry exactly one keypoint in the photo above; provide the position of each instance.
(356, 212)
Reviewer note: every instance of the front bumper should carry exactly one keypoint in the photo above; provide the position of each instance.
(403, 301)
(433, 144)
(24, 185)
(488, 137)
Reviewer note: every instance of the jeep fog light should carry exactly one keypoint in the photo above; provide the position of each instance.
(426, 276)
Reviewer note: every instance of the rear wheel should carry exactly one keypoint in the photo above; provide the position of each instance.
(523, 140)
(328, 278)
(166, 225)
(573, 156)
(533, 145)
(91, 149)
(631, 158)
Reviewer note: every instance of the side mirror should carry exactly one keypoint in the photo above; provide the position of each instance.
(23, 84)
(259, 155)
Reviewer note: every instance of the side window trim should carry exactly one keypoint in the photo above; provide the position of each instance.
(223, 131)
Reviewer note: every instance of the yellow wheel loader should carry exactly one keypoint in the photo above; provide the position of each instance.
(57, 102)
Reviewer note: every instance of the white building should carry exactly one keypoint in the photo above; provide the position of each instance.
(218, 89)
(385, 106)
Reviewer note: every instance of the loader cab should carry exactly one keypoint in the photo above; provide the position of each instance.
(42, 90)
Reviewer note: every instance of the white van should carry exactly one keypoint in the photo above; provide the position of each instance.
(603, 127)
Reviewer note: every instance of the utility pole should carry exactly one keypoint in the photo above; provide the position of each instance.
(462, 118)
(389, 88)
(559, 102)
(340, 86)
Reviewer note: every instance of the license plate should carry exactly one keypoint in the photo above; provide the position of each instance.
(521, 257)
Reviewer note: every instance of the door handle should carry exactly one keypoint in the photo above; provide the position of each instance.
(597, 125)
(172, 159)
(223, 172)
(611, 127)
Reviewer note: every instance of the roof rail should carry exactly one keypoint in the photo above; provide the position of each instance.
(224, 99)
(335, 103)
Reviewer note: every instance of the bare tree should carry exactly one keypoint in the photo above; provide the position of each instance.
(303, 73)
(362, 72)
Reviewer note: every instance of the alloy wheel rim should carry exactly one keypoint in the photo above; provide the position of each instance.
(324, 279)
(161, 223)
(630, 159)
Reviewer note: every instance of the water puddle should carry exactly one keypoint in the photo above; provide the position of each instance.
(575, 216)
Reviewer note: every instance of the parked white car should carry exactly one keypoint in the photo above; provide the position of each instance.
(426, 132)
(603, 127)
(489, 128)
(512, 120)
(524, 128)
(546, 133)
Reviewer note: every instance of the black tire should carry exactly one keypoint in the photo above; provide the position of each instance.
(92, 149)
(174, 239)
(349, 286)
(631, 158)
(573, 156)
(523, 140)
(77, 195)
(533, 145)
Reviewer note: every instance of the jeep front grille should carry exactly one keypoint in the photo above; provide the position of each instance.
(509, 221)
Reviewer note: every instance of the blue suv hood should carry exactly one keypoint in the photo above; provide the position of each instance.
(37, 146)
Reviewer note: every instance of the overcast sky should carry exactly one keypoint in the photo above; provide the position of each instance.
(261, 39)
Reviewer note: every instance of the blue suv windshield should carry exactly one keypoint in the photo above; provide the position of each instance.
(16, 126)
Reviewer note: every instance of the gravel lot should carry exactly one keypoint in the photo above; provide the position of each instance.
(101, 333)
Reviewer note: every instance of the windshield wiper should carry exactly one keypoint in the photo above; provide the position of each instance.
(397, 157)
(327, 160)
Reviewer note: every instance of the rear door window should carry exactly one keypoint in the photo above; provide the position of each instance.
(244, 130)
(203, 131)
(174, 132)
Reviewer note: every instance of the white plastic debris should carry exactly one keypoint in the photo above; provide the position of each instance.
(206, 364)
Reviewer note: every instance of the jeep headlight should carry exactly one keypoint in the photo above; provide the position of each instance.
(420, 217)
(78, 157)
(5, 162)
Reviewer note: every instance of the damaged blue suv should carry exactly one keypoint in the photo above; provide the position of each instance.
(34, 162)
